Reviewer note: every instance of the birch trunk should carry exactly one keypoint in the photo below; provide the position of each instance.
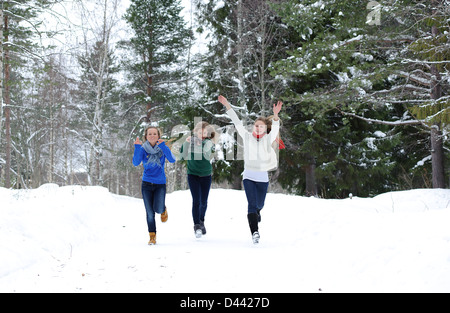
(240, 54)
(51, 166)
(95, 168)
(1, 74)
(7, 109)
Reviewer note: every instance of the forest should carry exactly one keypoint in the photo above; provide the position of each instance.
(365, 87)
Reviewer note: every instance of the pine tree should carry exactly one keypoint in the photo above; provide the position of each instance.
(157, 69)
(413, 37)
(326, 70)
(18, 46)
(362, 66)
(430, 69)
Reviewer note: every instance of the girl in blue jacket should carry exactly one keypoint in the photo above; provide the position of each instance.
(153, 154)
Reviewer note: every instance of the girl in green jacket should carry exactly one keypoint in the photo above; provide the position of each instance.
(198, 151)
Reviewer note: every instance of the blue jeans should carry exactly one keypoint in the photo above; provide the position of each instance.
(256, 194)
(154, 196)
(199, 187)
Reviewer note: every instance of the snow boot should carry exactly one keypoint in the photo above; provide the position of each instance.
(255, 237)
(152, 239)
(197, 230)
(164, 215)
(202, 227)
(253, 223)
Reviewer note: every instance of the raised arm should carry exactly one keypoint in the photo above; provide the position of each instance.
(276, 121)
(234, 118)
(138, 156)
(224, 101)
(276, 110)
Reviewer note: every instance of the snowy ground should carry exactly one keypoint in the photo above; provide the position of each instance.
(85, 239)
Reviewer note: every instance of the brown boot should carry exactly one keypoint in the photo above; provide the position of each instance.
(152, 238)
(164, 215)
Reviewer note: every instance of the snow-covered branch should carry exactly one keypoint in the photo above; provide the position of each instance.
(425, 61)
(390, 123)
(417, 79)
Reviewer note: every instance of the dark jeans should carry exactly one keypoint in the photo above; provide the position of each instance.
(154, 196)
(256, 194)
(199, 187)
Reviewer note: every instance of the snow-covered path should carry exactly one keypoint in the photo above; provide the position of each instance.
(84, 239)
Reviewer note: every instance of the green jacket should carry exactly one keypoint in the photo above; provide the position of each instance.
(198, 156)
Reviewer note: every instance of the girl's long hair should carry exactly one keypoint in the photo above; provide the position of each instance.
(211, 133)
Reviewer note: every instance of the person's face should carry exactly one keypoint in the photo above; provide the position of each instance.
(259, 128)
(202, 133)
(152, 136)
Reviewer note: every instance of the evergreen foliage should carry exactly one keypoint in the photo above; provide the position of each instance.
(365, 87)
(345, 64)
(157, 70)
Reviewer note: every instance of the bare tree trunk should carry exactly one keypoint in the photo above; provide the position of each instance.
(127, 182)
(189, 51)
(437, 158)
(310, 171)
(7, 110)
(71, 171)
(149, 82)
(264, 40)
(262, 70)
(237, 182)
(66, 145)
(437, 144)
(51, 165)
(117, 183)
(51, 100)
(149, 93)
(240, 54)
(1, 73)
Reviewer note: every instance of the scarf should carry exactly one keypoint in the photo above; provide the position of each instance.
(278, 140)
(195, 141)
(154, 153)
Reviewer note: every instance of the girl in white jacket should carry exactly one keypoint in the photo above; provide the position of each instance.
(259, 158)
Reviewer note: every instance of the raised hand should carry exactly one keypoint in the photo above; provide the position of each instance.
(138, 141)
(276, 109)
(224, 101)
